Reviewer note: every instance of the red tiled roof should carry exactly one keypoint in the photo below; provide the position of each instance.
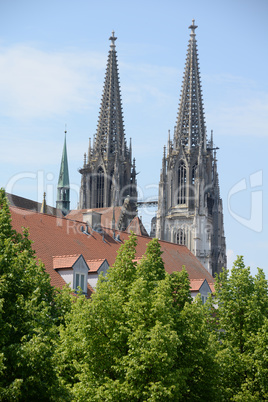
(196, 284)
(64, 261)
(94, 265)
(106, 215)
(21, 202)
(212, 287)
(53, 236)
(137, 227)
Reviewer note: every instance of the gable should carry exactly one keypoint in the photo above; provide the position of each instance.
(205, 288)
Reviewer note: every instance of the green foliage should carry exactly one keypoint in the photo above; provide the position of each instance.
(27, 319)
(241, 319)
(140, 338)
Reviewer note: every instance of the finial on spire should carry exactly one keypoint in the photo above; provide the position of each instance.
(193, 27)
(112, 39)
(65, 131)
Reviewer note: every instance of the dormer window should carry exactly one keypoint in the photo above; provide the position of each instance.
(80, 281)
(73, 269)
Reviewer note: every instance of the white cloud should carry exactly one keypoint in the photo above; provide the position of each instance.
(39, 84)
(35, 83)
(236, 105)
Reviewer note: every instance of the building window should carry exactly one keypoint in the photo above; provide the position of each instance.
(181, 237)
(182, 183)
(80, 281)
(192, 186)
(111, 188)
(100, 188)
(194, 173)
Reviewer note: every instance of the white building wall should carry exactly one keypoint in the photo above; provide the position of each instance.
(94, 276)
(93, 279)
(67, 276)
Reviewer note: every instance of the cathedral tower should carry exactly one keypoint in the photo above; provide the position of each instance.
(63, 193)
(108, 173)
(189, 206)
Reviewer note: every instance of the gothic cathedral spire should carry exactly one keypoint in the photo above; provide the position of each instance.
(189, 206)
(108, 174)
(110, 137)
(190, 130)
(63, 194)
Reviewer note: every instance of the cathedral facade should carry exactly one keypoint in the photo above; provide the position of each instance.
(189, 205)
(190, 209)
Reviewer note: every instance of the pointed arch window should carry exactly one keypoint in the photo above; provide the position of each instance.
(194, 168)
(182, 183)
(111, 188)
(100, 188)
(181, 237)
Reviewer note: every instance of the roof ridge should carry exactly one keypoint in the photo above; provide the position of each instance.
(65, 255)
(30, 211)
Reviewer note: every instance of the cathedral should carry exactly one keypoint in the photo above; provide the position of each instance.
(190, 209)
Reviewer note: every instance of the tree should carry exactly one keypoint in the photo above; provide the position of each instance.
(28, 318)
(241, 321)
(140, 338)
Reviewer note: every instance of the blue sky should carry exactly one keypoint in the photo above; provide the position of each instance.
(52, 63)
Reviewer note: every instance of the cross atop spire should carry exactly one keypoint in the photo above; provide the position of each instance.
(112, 39)
(193, 28)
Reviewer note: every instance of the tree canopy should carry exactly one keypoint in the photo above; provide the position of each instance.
(28, 319)
(240, 325)
(140, 337)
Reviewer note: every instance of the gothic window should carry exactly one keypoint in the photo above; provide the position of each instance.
(182, 183)
(192, 186)
(194, 168)
(181, 237)
(210, 203)
(100, 188)
(111, 189)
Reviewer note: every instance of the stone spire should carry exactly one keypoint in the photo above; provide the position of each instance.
(63, 194)
(108, 174)
(110, 136)
(190, 129)
(189, 205)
